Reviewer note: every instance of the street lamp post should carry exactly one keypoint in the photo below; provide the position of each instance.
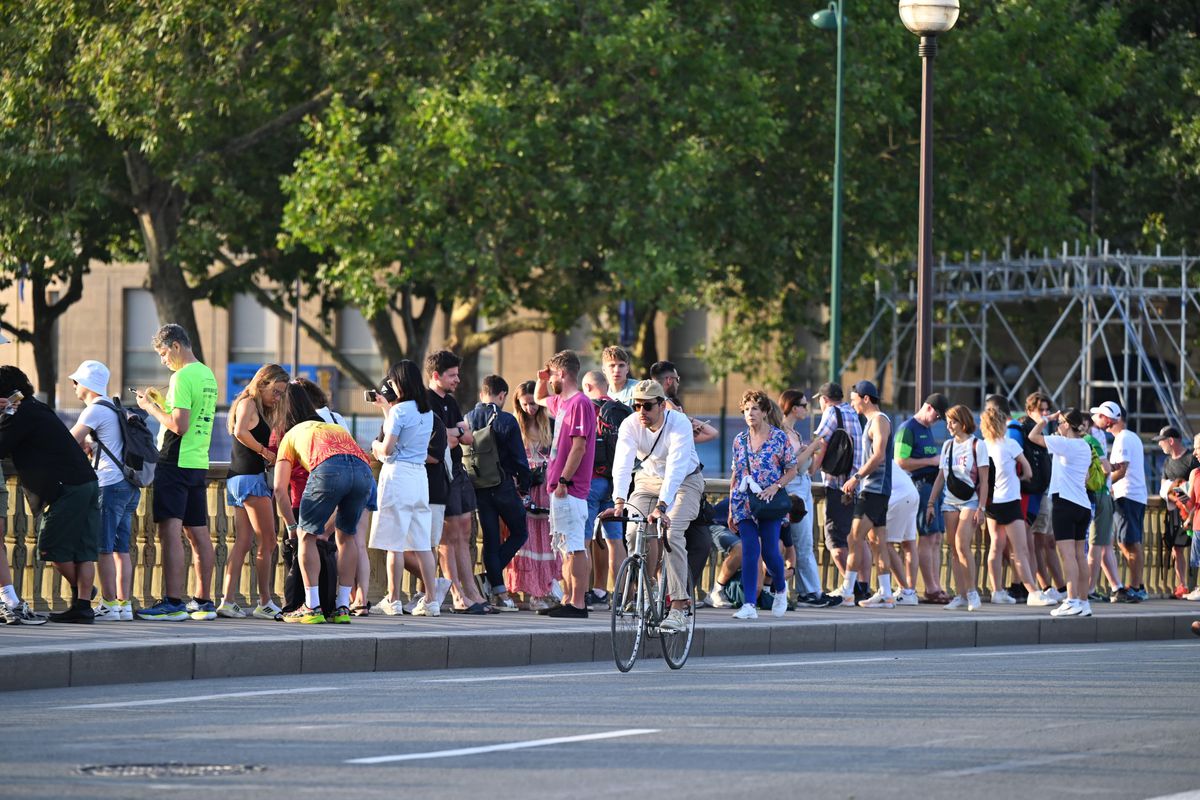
(827, 19)
(927, 19)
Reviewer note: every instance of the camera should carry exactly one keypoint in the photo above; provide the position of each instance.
(370, 395)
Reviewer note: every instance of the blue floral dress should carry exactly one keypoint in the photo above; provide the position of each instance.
(766, 467)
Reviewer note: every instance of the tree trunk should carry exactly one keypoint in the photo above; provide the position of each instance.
(385, 338)
(645, 349)
(158, 207)
(464, 319)
(417, 327)
(41, 333)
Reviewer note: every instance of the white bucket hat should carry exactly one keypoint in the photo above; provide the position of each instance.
(92, 375)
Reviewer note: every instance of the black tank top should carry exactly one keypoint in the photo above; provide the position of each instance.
(243, 460)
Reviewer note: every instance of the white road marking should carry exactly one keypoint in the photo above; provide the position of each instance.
(166, 701)
(1033, 650)
(1004, 766)
(1192, 795)
(497, 748)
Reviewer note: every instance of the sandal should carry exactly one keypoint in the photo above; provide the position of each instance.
(360, 611)
(474, 608)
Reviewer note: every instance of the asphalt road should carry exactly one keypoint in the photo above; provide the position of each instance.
(1100, 721)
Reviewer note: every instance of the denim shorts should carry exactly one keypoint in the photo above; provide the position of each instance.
(342, 483)
(118, 502)
(1127, 522)
(239, 487)
(600, 499)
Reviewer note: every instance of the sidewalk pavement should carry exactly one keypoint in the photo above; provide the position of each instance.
(54, 656)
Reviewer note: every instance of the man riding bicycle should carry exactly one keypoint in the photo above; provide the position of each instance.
(668, 486)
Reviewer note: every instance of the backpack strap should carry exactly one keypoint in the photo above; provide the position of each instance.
(96, 435)
(841, 424)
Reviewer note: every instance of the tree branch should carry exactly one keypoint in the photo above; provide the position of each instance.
(233, 273)
(267, 129)
(481, 339)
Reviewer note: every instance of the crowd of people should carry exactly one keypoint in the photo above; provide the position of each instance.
(547, 475)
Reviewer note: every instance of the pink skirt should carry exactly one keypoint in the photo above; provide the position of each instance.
(537, 563)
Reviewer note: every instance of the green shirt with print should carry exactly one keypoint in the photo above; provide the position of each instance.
(193, 387)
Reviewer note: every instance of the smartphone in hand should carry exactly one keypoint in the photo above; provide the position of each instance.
(370, 395)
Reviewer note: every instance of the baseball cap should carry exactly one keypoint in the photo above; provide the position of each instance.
(92, 375)
(648, 390)
(1109, 409)
(939, 403)
(865, 389)
(1169, 432)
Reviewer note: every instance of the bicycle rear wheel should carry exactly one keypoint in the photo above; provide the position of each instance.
(677, 645)
(630, 605)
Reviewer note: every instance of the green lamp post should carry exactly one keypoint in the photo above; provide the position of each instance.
(833, 19)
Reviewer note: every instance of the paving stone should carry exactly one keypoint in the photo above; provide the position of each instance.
(488, 650)
(394, 653)
(98, 666)
(337, 653)
(816, 637)
(232, 658)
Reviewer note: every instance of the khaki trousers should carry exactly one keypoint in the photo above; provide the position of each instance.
(645, 495)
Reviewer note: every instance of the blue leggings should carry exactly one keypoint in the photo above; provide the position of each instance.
(760, 540)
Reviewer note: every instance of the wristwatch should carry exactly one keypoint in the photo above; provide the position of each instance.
(661, 506)
(565, 482)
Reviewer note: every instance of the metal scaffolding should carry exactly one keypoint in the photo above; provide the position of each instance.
(1001, 326)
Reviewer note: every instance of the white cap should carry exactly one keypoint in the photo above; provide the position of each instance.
(92, 375)
(1109, 409)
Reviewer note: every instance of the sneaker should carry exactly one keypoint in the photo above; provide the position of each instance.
(79, 613)
(126, 609)
(1054, 594)
(1041, 599)
(1179, 592)
(538, 604)
(956, 603)
(1140, 593)
(440, 587)
(718, 599)
(1018, 592)
(202, 610)
(164, 611)
(394, 608)
(268, 611)
(673, 622)
(230, 611)
(1194, 594)
(305, 616)
(1001, 597)
(507, 604)
(20, 614)
(779, 605)
(341, 616)
(1069, 608)
(862, 591)
(908, 597)
(1085, 608)
(593, 600)
(408, 607)
(1096, 597)
(747, 611)
(973, 601)
(878, 600)
(1123, 595)
(567, 611)
(107, 613)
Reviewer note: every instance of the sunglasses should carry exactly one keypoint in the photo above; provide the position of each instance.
(647, 405)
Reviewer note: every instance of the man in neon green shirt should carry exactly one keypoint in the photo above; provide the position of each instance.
(186, 419)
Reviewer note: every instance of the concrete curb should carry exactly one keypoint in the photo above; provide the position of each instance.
(332, 649)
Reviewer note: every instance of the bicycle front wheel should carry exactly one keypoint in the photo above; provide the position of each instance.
(630, 606)
(676, 645)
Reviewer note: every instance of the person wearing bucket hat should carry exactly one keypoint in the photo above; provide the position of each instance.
(99, 423)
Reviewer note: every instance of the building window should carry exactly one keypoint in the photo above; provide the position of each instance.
(140, 364)
(356, 343)
(253, 332)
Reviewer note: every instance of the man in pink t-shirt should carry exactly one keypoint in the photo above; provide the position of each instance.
(569, 474)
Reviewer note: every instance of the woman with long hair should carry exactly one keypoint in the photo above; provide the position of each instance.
(404, 519)
(964, 473)
(537, 564)
(1071, 509)
(247, 491)
(1005, 521)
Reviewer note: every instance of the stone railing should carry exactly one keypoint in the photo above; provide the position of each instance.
(37, 582)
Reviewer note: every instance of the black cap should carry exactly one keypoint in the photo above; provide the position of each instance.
(939, 402)
(1169, 432)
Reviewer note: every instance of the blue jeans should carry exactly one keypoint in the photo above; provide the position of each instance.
(600, 499)
(118, 503)
(761, 540)
(938, 523)
(342, 483)
(501, 502)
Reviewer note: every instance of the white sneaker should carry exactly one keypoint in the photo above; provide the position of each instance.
(424, 609)
(956, 603)
(440, 587)
(411, 605)
(779, 605)
(747, 611)
(1054, 594)
(973, 601)
(1069, 608)
(907, 597)
(506, 604)
(106, 613)
(673, 622)
(1085, 608)
(269, 611)
(1194, 594)
(844, 592)
(717, 599)
(879, 600)
(393, 608)
(1040, 599)
(230, 611)
(1001, 597)
(126, 610)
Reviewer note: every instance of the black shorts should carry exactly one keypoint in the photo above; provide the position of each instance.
(461, 497)
(1176, 535)
(874, 507)
(838, 518)
(1069, 521)
(69, 530)
(1005, 513)
(181, 494)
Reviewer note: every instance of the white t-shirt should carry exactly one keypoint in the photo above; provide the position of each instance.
(107, 428)
(956, 456)
(1127, 449)
(902, 485)
(332, 417)
(1072, 459)
(1004, 455)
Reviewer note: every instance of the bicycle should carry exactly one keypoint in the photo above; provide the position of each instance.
(637, 612)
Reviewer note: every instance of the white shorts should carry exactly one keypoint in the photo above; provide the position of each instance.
(568, 521)
(437, 514)
(902, 519)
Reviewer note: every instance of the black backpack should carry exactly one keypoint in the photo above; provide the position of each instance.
(1040, 465)
(609, 416)
(839, 455)
(141, 456)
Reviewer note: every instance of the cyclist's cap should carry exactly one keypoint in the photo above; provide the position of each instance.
(648, 390)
